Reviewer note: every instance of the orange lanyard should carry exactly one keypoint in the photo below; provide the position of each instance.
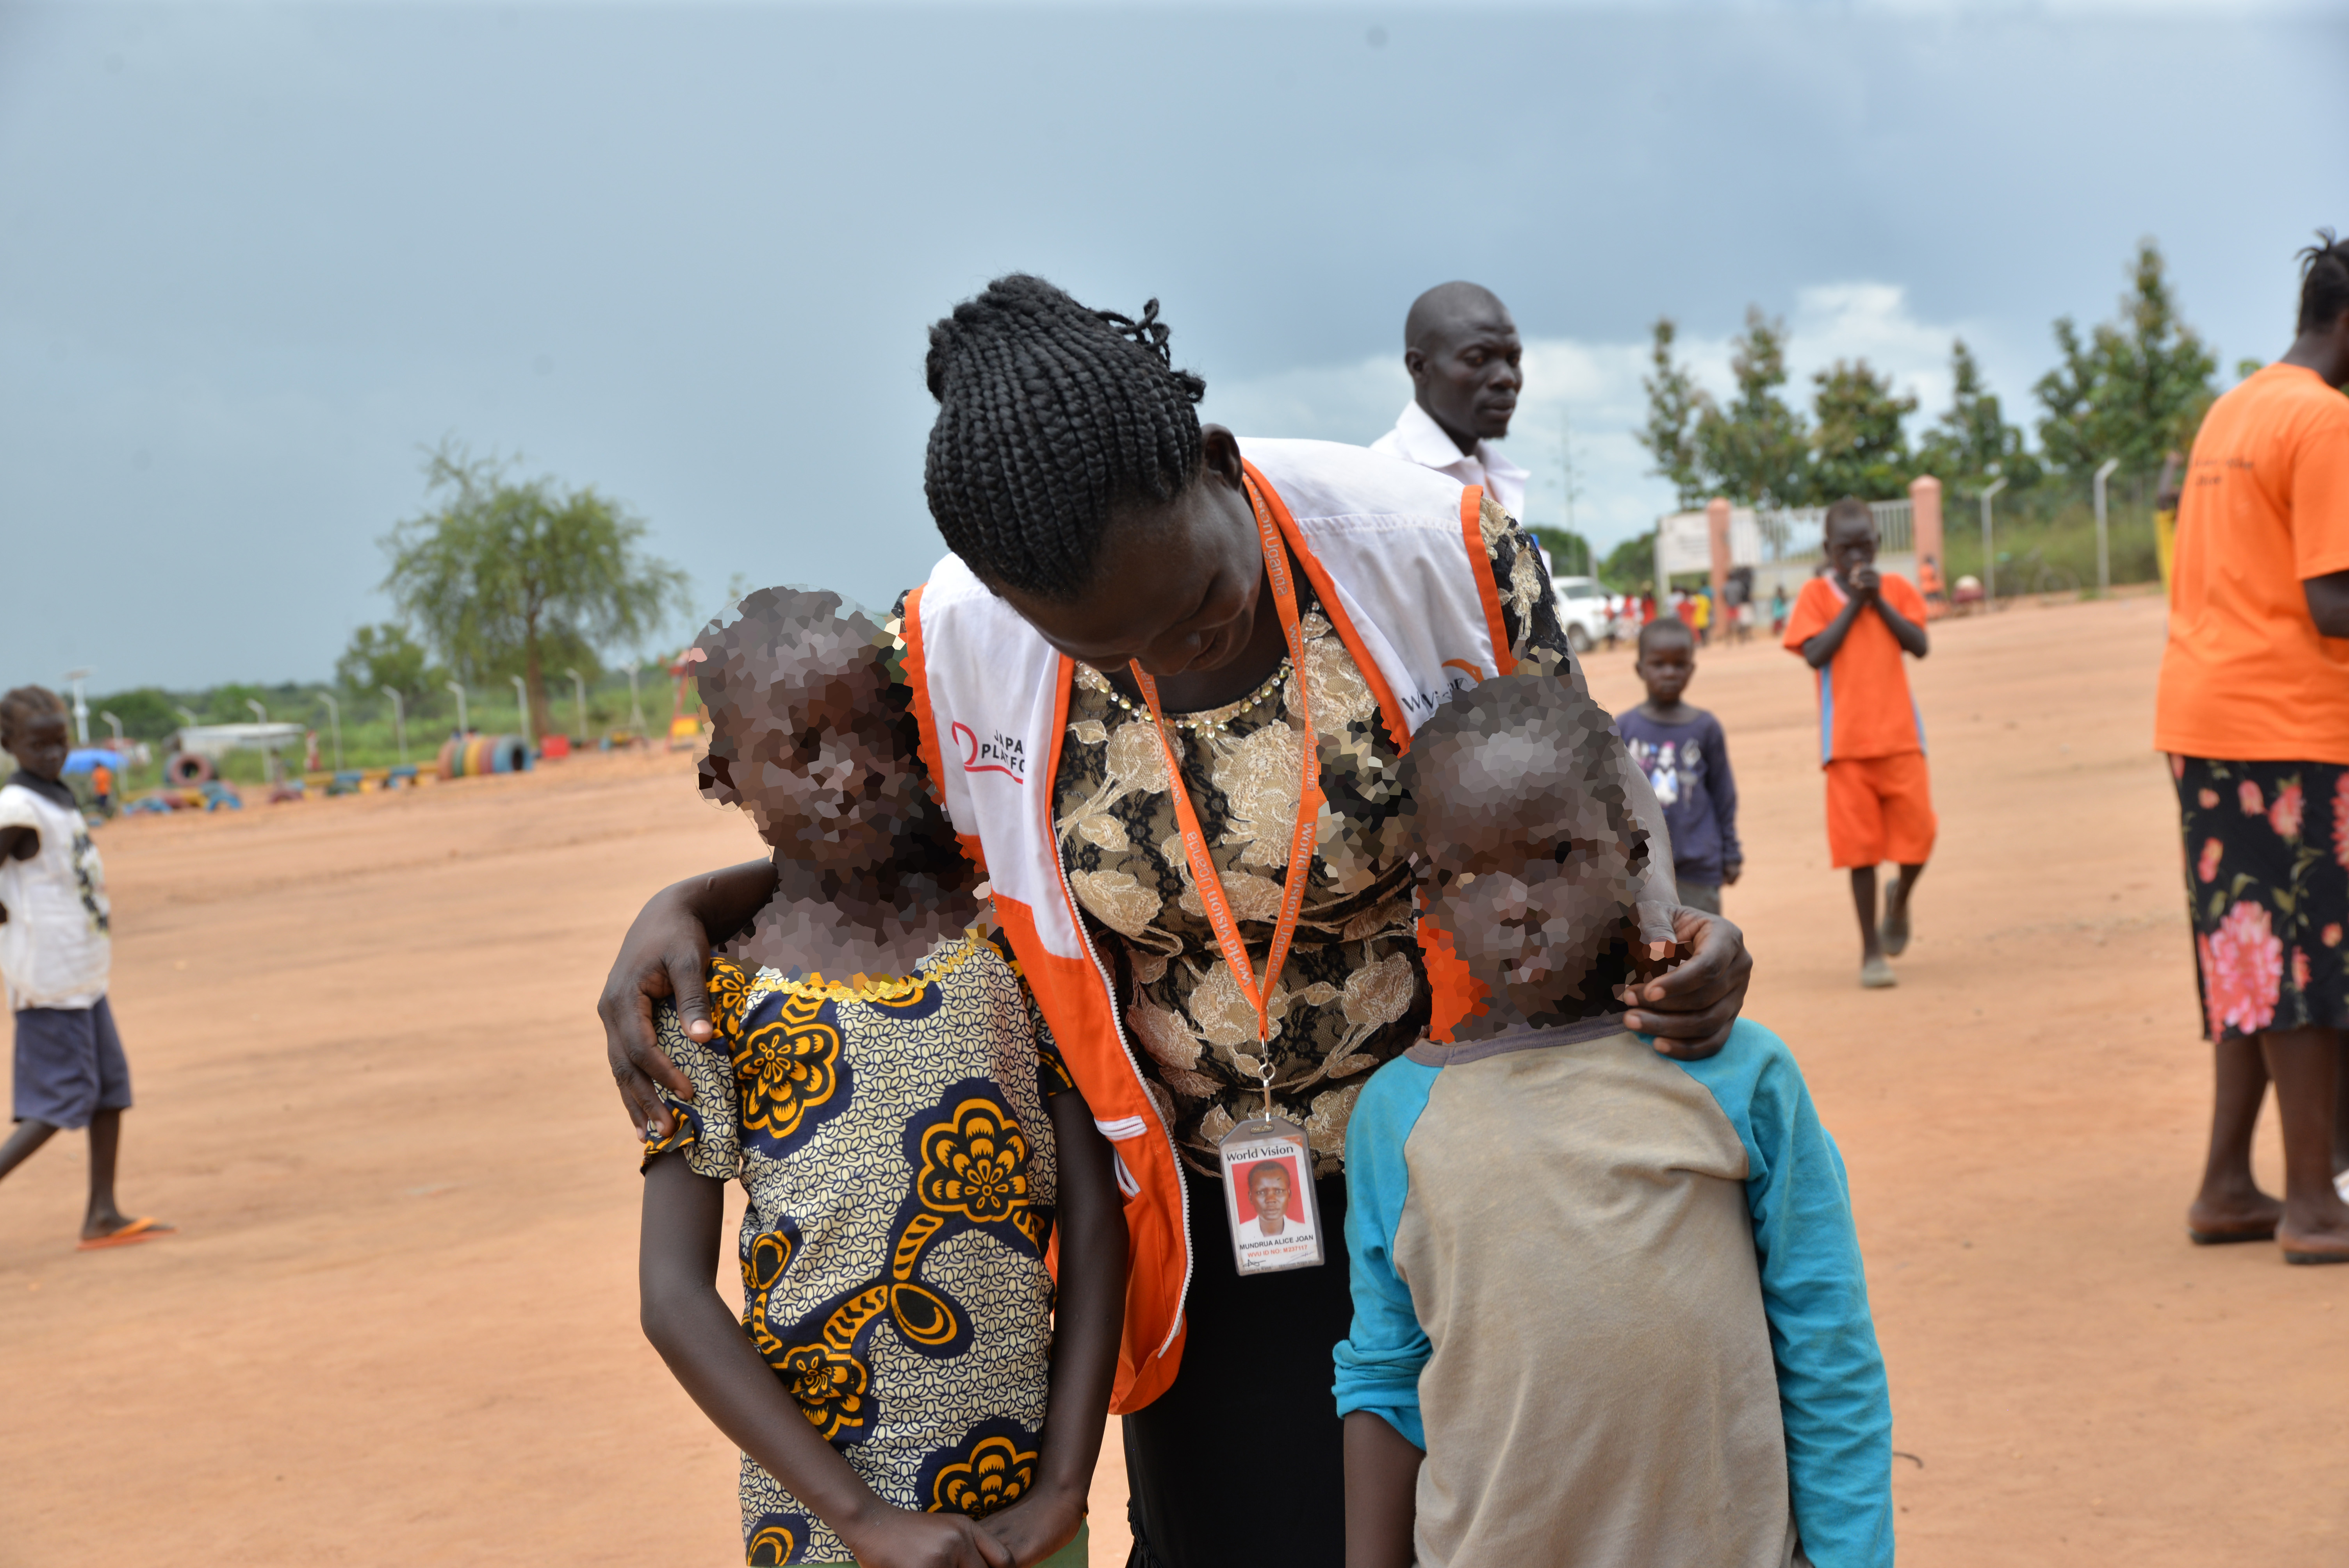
(1308, 804)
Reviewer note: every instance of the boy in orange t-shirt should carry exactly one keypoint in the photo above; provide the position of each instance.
(1852, 627)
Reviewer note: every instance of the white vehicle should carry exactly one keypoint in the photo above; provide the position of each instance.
(1584, 609)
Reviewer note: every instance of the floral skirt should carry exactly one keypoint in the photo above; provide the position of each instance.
(2267, 891)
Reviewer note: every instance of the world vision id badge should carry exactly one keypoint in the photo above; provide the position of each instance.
(1268, 1197)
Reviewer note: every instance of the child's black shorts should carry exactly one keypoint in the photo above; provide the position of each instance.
(69, 1065)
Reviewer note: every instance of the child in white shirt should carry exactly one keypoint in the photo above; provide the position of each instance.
(55, 949)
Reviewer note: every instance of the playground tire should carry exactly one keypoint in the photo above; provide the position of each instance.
(188, 767)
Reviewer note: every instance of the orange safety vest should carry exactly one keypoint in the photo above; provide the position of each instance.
(1396, 556)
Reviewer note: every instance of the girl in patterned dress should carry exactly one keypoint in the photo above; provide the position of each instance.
(875, 1075)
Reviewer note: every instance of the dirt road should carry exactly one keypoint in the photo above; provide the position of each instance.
(399, 1323)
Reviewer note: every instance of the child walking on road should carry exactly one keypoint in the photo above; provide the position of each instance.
(1686, 758)
(56, 950)
(1852, 625)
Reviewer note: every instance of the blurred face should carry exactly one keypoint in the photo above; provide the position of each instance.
(1176, 586)
(1268, 1190)
(41, 745)
(824, 780)
(1851, 544)
(1665, 668)
(1536, 929)
(1465, 370)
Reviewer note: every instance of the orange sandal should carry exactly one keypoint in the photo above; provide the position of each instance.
(147, 1228)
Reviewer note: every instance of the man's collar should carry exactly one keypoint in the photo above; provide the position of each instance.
(1424, 442)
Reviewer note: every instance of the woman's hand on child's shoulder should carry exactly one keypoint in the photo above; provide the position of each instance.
(1036, 1526)
(900, 1538)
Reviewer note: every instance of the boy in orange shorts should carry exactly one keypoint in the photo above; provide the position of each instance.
(1852, 627)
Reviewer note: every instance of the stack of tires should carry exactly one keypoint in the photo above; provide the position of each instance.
(479, 754)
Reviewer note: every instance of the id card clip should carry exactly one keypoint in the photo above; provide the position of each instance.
(1268, 1197)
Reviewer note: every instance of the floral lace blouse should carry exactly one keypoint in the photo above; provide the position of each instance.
(1353, 993)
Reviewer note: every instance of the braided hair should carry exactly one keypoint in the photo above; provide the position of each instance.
(21, 707)
(2324, 281)
(1051, 416)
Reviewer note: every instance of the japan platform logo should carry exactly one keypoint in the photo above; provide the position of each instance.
(998, 753)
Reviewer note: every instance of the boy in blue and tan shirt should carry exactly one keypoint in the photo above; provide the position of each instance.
(1609, 1307)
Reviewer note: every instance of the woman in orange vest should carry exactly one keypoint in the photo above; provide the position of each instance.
(1115, 674)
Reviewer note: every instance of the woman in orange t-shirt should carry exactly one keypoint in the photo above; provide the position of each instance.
(2253, 710)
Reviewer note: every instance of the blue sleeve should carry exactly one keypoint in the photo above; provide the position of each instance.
(1722, 784)
(1831, 1386)
(1379, 1361)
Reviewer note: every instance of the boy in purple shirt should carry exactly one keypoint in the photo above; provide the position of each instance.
(1686, 758)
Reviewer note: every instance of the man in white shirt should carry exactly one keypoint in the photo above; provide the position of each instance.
(1462, 352)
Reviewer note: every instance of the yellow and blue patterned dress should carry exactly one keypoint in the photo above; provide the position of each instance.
(898, 1158)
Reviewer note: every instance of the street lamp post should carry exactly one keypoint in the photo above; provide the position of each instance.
(636, 708)
(186, 716)
(398, 723)
(2104, 542)
(114, 724)
(1989, 562)
(80, 707)
(522, 700)
(459, 687)
(335, 724)
(579, 690)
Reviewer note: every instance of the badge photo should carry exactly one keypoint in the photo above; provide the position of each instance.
(1268, 1197)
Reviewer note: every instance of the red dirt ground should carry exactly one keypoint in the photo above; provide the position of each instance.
(399, 1324)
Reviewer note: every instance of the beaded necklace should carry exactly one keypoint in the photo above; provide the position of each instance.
(1207, 721)
(814, 988)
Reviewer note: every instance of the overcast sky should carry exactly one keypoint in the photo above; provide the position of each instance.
(253, 258)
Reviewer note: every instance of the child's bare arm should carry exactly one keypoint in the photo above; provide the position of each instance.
(1088, 1322)
(1382, 1492)
(717, 1365)
(1827, 643)
(1906, 632)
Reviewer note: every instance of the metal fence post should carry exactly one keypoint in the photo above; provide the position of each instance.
(398, 723)
(521, 697)
(579, 691)
(1989, 561)
(2104, 541)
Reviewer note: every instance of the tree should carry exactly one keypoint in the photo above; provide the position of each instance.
(147, 712)
(385, 656)
(1673, 402)
(1569, 551)
(505, 577)
(1756, 450)
(1973, 443)
(226, 704)
(1858, 442)
(2135, 389)
(1630, 566)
